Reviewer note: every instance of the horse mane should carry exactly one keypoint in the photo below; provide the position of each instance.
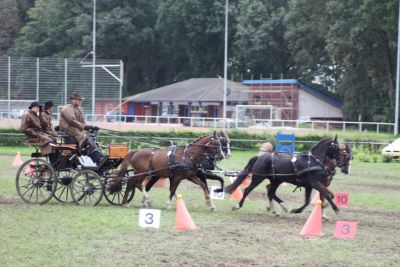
(201, 137)
(320, 143)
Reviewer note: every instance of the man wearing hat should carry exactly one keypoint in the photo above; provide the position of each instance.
(31, 126)
(45, 117)
(73, 123)
(72, 120)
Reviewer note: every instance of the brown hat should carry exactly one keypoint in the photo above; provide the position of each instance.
(77, 95)
(34, 104)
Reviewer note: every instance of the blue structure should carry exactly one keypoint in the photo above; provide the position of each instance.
(285, 143)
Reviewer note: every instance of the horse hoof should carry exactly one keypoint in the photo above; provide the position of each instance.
(285, 209)
(236, 207)
(268, 209)
(295, 211)
(212, 208)
(277, 214)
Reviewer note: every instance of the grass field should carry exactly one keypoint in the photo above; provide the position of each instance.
(57, 234)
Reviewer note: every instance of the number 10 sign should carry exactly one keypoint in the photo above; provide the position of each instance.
(149, 218)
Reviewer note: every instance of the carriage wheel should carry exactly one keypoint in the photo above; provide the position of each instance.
(63, 190)
(87, 188)
(35, 181)
(114, 191)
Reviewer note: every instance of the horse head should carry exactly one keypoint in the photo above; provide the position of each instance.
(327, 148)
(225, 143)
(334, 151)
(345, 158)
(209, 144)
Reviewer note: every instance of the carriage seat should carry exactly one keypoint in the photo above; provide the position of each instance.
(32, 143)
(66, 138)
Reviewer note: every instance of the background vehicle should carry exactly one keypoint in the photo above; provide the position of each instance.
(392, 150)
(115, 116)
(17, 113)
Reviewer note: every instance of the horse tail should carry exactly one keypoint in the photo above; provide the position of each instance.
(125, 163)
(241, 176)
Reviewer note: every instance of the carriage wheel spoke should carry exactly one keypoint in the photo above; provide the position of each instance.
(28, 189)
(66, 198)
(37, 193)
(33, 190)
(41, 193)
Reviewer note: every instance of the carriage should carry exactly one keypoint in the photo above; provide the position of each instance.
(69, 177)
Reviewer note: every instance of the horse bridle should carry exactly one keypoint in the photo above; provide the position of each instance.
(336, 156)
(346, 160)
(223, 138)
(212, 143)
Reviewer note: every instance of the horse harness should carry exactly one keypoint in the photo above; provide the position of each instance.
(298, 170)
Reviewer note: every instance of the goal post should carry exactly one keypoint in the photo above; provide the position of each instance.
(249, 115)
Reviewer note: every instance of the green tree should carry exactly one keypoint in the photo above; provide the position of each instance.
(259, 40)
(307, 25)
(362, 43)
(12, 17)
(192, 38)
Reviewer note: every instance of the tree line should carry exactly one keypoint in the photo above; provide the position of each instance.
(345, 48)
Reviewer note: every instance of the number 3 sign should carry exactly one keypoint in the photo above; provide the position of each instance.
(149, 218)
(345, 229)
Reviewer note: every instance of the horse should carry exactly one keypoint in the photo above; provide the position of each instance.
(207, 164)
(302, 170)
(179, 164)
(330, 169)
(330, 166)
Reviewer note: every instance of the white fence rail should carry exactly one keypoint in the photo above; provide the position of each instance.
(377, 127)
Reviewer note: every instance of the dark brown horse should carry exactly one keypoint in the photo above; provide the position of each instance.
(344, 163)
(301, 170)
(178, 165)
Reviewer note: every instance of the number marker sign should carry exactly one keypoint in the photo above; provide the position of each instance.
(214, 195)
(342, 199)
(345, 229)
(149, 218)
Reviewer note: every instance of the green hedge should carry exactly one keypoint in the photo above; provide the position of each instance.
(240, 139)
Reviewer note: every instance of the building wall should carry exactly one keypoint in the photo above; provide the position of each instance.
(282, 96)
(311, 106)
(104, 105)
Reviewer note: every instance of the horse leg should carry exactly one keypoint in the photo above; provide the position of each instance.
(202, 177)
(203, 185)
(211, 176)
(152, 181)
(256, 180)
(146, 197)
(307, 200)
(129, 187)
(272, 187)
(271, 207)
(174, 182)
(322, 190)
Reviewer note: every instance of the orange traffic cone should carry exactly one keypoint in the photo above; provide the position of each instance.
(315, 198)
(160, 183)
(17, 161)
(313, 226)
(29, 171)
(237, 194)
(183, 220)
(245, 182)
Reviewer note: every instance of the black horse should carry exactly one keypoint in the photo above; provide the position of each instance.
(305, 170)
